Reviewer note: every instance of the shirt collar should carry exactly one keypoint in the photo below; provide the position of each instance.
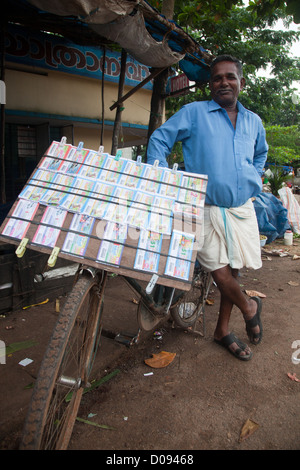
(213, 106)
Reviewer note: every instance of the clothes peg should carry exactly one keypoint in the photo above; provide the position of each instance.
(155, 164)
(175, 166)
(80, 145)
(100, 150)
(60, 146)
(22, 248)
(63, 141)
(139, 160)
(119, 155)
(53, 257)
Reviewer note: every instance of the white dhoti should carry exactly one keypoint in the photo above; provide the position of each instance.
(231, 237)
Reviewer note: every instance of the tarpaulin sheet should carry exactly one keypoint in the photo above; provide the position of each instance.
(272, 217)
(90, 11)
(132, 34)
(127, 23)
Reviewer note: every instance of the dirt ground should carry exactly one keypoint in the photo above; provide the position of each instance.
(201, 400)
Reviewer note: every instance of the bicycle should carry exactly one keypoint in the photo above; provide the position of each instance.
(67, 364)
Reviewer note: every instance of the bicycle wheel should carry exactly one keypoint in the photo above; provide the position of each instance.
(186, 311)
(65, 368)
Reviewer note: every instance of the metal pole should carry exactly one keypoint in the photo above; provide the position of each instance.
(102, 95)
(118, 122)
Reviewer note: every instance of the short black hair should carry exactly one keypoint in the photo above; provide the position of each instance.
(228, 58)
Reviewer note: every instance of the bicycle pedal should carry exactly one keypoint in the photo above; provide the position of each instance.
(127, 339)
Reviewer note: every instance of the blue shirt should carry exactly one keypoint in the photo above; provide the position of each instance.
(233, 159)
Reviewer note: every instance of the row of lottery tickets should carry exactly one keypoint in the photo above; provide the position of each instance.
(94, 185)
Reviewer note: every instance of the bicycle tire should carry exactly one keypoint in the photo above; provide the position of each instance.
(65, 368)
(192, 304)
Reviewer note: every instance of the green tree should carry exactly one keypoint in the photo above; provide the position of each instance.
(284, 146)
(229, 27)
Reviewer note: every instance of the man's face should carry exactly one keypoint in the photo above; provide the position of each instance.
(225, 84)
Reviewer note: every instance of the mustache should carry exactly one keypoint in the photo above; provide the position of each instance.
(223, 90)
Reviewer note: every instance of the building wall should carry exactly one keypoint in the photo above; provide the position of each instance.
(64, 98)
(61, 94)
(54, 89)
(48, 76)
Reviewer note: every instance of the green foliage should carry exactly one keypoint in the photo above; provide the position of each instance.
(271, 99)
(277, 179)
(282, 155)
(264, 8)
(228, 27)
(140, 150)
(284, 145)
(284, 137)
(176, 156)
(246, 33)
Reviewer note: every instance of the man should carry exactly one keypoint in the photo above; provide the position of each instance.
(222, 139)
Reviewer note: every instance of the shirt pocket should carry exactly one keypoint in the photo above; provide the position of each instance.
(247, 149)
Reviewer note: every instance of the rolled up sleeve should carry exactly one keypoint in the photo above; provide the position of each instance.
(261, 151)
(161, 142)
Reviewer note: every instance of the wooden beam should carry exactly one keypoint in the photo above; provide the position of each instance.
(140, 85)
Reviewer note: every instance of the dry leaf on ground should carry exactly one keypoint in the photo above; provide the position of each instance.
(255, 293)
(293, 283)
(161, 359)
(249, 428)
(293, 377)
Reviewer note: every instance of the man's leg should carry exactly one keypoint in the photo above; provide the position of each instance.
(231, 294)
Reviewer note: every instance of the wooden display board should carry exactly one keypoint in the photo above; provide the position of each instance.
(110, 213)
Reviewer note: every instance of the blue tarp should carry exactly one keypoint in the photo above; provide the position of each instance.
(284, 168)
(193, 65)
(271, 216)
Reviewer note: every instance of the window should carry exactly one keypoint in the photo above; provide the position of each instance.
(27, 142)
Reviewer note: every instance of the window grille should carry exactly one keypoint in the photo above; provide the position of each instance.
(26, 141)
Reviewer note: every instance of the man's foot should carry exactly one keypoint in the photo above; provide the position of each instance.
(254, 327)
(235, 346)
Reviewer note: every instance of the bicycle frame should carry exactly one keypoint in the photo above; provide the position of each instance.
(160, 299)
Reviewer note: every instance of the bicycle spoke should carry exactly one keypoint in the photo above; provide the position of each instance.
(65, 368)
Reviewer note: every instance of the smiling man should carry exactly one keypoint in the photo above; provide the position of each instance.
(224, 140)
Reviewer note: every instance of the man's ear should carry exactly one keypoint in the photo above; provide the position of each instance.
(243, 82)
